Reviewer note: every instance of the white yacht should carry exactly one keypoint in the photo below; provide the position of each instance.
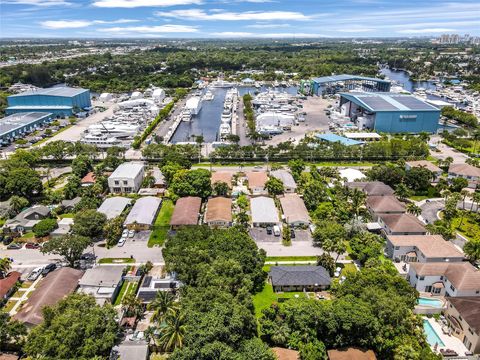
(208, 96)
(115, 129)
(100, 140)
(194, 104)
(224, 130)
(186, 115)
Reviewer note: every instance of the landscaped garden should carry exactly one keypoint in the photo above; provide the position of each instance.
(162, 224)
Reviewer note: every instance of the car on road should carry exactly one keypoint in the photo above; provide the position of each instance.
(14, 246)
(88, 256)
(35, 274)
(48, 268)
(32, 246)
(125, 233)
(131, 233)
(121, 242)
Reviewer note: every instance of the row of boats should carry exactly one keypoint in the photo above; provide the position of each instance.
(229, 108)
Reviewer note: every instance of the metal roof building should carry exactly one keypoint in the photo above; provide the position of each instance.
(114, 206)
(17, 125)
(143, 213)
(263, 211)
(337, 138)
(332, 84)
(61, 101)
(390, 112)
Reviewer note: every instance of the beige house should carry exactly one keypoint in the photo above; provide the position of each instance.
(427, 165)
(382, 205)
(294, 210)
(222, 176)
(219, 212)
(463, 314)
(256, 182)
(186, 212)
(466, 171)
(401, 224)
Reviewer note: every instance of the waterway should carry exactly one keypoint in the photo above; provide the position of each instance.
(403, 78)
(208, 120)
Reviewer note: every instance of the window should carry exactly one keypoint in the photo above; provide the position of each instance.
(125, 182)
(117, 182)
(397, 247)
(452, 287)
(471, 331)
(128, 189)
(422, 277)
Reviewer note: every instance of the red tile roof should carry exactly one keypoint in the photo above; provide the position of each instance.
(8, 282)
(89, 178)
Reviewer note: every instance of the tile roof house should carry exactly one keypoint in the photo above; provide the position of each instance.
(219, 212)
(299, 278)
(351, 354)
(27, 219)
(143, 213)
(88, 179)
(372, 188)
(463, 314)
(256, 182)
(56, 285)
(186, 212)
(222, 176)
(425, 164)
(422, 248)
(289, 184)
(263, 211)
(7, 284)
(102, 282)
(466, 171)
(401, 224)
(445, 278)
(294, 210)
(382, 205)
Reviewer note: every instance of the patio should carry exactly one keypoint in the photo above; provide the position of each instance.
(450, 341)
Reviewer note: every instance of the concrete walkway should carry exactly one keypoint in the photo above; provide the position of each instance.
(24, 297)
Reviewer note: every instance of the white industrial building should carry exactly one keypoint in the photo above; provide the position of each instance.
(127, 178)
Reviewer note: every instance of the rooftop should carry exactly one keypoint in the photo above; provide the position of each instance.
(219, 209)
(424, 163)
(256, 178)
(351, 354)
(463, 275)
(372, 188)
(344, 77)
(388, 203)
(351, 174)
(263, 210)
(144, 210)
(102, 276)
(294, 208)
(286, 178)
(337, 138)
(299, 275)
(464, 169)
(132, 351)
(186, 211)
(469, 310)
(432, 246)
(53, 91)
(222, 176)
(404, 223)
(8, 282)
(17, 121)
(285, 354)
(127, 170)
(362, 135)
(377, 102)
(114, 206)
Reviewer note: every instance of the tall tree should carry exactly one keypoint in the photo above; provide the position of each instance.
(172, 333)
(162, 305)
(70, 247)
(89, 223)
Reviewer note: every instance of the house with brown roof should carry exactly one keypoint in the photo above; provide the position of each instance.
(222, 176)
(285, 354)
(371, 188)
(351, 354)
(422, 248)
(401, 224)
(219, 212)
(186, 212)
(425, 164)
(445, 278)
(295, 212)
(88, 179)
(56, 286)
(466, 171)
(382, 205)
(7, 284)
(463, 315)
(256, 182)
(289, 184)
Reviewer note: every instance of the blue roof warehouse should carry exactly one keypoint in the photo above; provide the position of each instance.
(390, 112)
(17, 125)
(60, 101)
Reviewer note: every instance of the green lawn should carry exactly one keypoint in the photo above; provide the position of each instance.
(266, 297)
(9, 306)
(162, 224)
(27, 236)
(128, 287)
(67, 215)
(116, 261)
(348, 268)
(469, 228)
(290, 258)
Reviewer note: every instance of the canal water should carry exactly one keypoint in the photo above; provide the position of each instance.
(208, 120)
(404, 79)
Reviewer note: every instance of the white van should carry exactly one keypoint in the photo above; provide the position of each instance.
(276, 230)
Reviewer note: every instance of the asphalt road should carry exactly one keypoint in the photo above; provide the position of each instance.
(430, 209)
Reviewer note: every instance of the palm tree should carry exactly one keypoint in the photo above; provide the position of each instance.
(472, 250)
(475, 200)
(132, 306)
(5, 266)
(162, 305)
(402, 191)
(465, 193)
(413, 209)
(357, 200)
(173, 331)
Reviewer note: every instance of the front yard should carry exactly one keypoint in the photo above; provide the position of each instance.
(162, 224)
(266, 297)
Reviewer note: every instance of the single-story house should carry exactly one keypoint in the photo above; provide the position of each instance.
(351, 354)
(289, 184)
(130, 350)
(159, 178)
(70, 204)
(151, 191)
(219, 212)
(222, 176)
(102, 282)
(64, 227)
(445, 278)
(89, 179)
(264, 212)
(286, 354)
(152, 284)
(294, 210)
(186, 212)
(371, 188)
(382, 205)
(256, 182)
(422, 248)
(143, 213)
(463, 314)
(401, 224)
(466, 171)
(7, 284)
(425, 164)
(56, 285)
(351, 175)
(299, 278)
(27, 219)
(114, 206)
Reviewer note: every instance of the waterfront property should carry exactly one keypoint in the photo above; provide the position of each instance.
(186, 212)
(102, 282)
(16, 126)
(264, 212)
(299, 278)
(143, 213)
(445, 278)
(466, 171)
(332, 84)
(127, 178)
(463, 314)
(390, 112)
(219, 212)
(60, 101)
(294, 210)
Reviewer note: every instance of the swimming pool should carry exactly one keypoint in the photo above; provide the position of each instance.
(432, 336)
(436, 303)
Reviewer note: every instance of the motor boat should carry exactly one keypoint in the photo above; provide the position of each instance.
(100, 140)
(208, 96)
(115, 129)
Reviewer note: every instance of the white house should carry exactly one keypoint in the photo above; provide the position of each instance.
(264, 212)
(127, 178)
(102, 282)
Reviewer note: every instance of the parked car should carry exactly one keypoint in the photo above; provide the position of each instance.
(131, 233)
(48, 268)
(269, 230)
(35, 274)
(32, 246)
(14, 246)
(121, 242)
(292, 234)
(124, 233)
(87, 256)
(276, 230)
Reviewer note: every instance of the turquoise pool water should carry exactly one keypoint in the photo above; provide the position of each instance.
(432, 336)
(430, 302)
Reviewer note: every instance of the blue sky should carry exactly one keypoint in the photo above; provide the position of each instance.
(236, 18)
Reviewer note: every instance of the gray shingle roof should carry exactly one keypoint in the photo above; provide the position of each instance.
(299, 276)
(113, 206)
(144, 211)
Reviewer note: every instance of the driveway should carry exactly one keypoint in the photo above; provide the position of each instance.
(430, 210)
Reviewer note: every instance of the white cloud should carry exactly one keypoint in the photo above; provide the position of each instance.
(425, 31)
(143, 3)
(37, 2)
(201, 15)
(233, 34)
(73, 24)
(355, 29)
(268, 26)
(152, 29)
